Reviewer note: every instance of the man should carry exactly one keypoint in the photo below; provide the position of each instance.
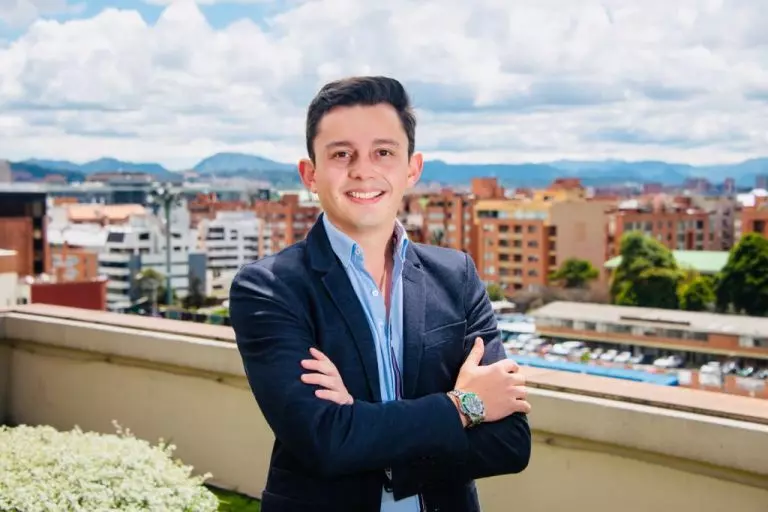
(376, 362)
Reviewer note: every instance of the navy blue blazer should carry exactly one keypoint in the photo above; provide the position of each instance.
(329, 457)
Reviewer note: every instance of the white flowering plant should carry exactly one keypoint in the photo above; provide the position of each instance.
(45, 470)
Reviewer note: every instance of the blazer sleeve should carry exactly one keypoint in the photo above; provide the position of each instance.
(273, 334)
(497, 448)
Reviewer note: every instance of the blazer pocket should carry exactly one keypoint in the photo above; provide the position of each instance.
(444, 334)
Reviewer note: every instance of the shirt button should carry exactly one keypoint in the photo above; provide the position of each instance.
(375, 293)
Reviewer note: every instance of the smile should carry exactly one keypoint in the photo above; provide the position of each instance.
(365, 196)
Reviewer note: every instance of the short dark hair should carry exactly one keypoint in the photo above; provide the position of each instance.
(361, 90)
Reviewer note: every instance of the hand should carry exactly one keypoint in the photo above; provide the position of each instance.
(498, 385)
(327, 376)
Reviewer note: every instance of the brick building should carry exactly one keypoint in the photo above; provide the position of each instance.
(284, 221)
(753, 218)
(520, 241)
(675, 222)
(23, 229)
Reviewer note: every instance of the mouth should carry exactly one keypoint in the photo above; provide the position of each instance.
(365, 197)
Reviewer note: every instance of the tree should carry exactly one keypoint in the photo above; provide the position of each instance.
(196, 297)
(574, 273)
(743, 283)
(697, 295)
(495, 292)
(152, 285)
(647, 276)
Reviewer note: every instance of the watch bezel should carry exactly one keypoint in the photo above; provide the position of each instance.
(467, 397)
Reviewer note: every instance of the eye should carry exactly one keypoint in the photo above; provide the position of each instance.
(341, 154)
(384, 152)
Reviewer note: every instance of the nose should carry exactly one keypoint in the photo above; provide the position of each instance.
(363, 168)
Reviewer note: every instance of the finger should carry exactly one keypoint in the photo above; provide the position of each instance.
(522, 406)
(476, 354)
(334, 396)
(318, 355)
(507, 365)
(520, 392)
(324, 367)
(322, 380)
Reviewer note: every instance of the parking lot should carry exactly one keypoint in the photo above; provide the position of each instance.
(693, 369)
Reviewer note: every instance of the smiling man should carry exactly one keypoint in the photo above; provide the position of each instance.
(376, 361)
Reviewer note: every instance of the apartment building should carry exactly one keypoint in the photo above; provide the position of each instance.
(23, 230)
(753, 215)
(723, 212)
(125, 240)
(208, 205)
(676, 222)
(230, 240)
(284, 221)
(521, 241)
(446, 217)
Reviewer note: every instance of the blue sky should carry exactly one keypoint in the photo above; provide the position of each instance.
(173, 81)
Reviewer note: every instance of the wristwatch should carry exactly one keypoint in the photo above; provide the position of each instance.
(470, 405)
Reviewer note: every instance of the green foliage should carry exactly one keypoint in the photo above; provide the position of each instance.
(495, 292)
(574, 273)
(648, 275)
(234, 502)
(697, 294)
(196, 297)
(742, 286)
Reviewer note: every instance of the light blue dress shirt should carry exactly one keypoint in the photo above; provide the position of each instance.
(387, 332)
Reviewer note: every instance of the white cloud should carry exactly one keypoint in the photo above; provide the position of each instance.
(21, 12)
(494, 80)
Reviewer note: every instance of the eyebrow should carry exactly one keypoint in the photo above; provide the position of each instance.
(346, 143)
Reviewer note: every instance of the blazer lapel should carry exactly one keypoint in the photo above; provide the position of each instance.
(414, 299)
(334, 277)
(344, 297)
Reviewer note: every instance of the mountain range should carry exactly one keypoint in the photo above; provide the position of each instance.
(591, 173)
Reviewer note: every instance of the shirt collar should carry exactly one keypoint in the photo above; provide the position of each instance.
(346, 248)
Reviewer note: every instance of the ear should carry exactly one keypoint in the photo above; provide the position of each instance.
(307, 174)
(415, 168)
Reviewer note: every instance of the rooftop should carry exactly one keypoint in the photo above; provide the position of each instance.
(83, 212)
(684, 320)
(687, 449)
(704, 262)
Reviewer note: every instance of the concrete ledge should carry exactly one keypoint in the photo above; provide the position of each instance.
(130, 343)
(729, 448)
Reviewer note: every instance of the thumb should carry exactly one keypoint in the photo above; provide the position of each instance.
(476, 355)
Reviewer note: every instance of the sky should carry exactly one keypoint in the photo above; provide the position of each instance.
(174, 81)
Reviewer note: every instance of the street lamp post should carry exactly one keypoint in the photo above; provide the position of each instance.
(163, 194)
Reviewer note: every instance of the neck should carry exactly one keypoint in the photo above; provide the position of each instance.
(375, 243)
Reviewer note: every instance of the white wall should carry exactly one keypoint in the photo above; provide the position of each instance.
(8, 289)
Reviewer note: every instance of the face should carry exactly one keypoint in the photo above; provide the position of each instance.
(361, 168)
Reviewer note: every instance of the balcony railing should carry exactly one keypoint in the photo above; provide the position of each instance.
(600, 444)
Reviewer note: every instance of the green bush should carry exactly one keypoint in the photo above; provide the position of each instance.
(44, 470)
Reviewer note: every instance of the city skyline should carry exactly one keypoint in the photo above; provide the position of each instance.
(173, 82)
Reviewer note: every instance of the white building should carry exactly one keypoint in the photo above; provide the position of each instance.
(8, 279)
(230, 240)
(136, 244)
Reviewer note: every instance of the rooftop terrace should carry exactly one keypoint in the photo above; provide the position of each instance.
(600, 444)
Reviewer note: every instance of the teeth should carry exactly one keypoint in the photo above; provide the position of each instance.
(364, 195)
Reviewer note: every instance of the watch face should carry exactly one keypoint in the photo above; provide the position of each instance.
(474, 405)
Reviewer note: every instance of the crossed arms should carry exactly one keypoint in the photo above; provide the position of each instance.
(415, 437)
